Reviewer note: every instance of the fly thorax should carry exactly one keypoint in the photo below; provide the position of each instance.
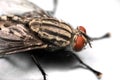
(52, 31)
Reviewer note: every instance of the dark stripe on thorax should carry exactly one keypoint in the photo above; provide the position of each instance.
(57, 23)
(57, 34)
(55, 26)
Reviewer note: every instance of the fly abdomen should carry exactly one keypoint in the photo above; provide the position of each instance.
(52, 31)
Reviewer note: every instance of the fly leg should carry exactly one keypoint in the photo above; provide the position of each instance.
(36, 60)
(97, 73)
(55, 2)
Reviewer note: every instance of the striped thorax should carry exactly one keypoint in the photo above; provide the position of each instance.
(55, 32)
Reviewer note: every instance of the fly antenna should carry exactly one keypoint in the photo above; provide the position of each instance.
(89, 39)
(107, 35)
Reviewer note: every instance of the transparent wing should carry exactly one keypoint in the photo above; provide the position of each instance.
(20, 7)
(17, 6)
(16, 37)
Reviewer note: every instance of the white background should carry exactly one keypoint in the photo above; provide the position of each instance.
(99, 17)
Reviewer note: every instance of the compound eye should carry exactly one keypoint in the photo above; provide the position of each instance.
(81, 28)
(79, 43)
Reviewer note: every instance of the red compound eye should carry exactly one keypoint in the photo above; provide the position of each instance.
(79, 43)
(81, 28)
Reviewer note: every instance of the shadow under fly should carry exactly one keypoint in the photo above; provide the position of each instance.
(60, 59)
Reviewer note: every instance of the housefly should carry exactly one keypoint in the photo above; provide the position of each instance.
(38, 29)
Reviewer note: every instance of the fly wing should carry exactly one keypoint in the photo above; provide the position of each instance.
(17, 7)
(17, 37)
(22, 8)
